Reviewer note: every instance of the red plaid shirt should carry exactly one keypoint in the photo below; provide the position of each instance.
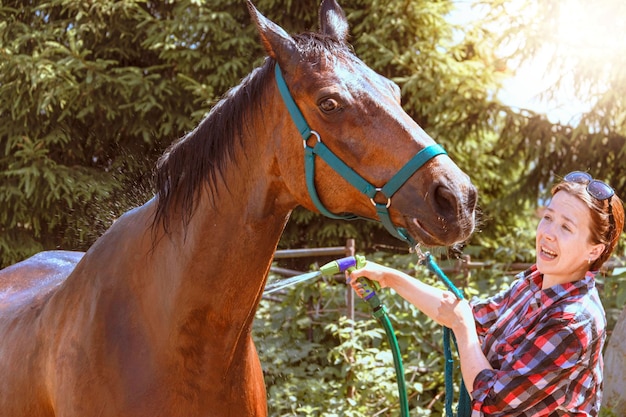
(545, 348)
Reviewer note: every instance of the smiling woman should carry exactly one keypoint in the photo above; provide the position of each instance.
(536, 347)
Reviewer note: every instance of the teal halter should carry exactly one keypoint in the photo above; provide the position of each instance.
(357, 181)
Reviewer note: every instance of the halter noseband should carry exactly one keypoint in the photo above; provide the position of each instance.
(357, 181)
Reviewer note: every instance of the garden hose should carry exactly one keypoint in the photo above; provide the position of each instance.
(379, 311)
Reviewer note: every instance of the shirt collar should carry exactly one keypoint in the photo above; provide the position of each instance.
(559, 291)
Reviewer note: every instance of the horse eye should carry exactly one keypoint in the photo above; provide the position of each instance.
(329, 105)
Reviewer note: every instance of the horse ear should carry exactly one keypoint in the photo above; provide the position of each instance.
(275, 40)
(333, 21)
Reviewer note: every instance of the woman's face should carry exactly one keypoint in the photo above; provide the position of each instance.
(563, 239)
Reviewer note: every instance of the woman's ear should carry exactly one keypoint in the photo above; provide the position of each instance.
(596, 251)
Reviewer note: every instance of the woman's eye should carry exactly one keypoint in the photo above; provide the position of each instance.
(329, 105)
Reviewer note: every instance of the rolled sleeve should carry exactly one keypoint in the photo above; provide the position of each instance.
(482, 386)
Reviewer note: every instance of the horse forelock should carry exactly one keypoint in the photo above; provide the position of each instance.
(314, 45)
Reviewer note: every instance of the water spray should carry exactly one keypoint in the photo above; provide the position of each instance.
(379, 311)
(285, 283)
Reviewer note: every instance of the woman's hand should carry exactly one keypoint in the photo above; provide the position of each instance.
(373, 272)
(454, 313)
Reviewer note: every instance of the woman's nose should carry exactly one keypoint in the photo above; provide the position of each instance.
(549, 233)
(546, 231)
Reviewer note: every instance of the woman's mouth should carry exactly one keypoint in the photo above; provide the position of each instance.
(548, 253)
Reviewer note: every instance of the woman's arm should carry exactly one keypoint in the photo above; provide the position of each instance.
(441, 306)
(425, 297)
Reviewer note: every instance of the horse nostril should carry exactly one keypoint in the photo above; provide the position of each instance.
(448, 201)
(445, 200)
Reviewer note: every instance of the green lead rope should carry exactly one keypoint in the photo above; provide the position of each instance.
(464, 407)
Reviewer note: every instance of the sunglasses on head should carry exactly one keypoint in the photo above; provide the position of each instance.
(596, 188)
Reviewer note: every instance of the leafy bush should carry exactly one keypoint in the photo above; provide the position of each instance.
(318, 362)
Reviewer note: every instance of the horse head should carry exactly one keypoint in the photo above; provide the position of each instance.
(357, 115)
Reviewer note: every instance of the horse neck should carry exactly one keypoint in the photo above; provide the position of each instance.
(218, 263)
(211, 271)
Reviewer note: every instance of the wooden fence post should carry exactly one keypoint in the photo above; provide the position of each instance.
(350, 251)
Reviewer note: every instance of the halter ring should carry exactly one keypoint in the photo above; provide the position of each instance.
(313, 133)
(374, 203)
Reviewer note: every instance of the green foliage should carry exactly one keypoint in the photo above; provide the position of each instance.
(613, 293)
(97, 91)
(317, 362)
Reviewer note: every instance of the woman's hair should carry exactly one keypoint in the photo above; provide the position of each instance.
(606, 226)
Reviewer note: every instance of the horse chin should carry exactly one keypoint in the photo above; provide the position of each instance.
(428, 238)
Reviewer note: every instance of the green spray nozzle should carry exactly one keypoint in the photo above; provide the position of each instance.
(349, 264)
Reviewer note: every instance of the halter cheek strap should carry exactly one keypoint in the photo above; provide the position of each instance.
(356, 180)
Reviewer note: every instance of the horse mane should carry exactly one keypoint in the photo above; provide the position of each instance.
(201, 156)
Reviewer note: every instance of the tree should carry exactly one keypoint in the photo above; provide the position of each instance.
(582, 47)
(97, 91)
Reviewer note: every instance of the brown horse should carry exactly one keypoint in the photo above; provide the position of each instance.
(155, 318)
